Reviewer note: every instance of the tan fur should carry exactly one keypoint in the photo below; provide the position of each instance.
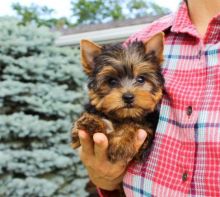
(88, 51)
(144, 68)
(106, 71)
(156, 42)
(114, 117)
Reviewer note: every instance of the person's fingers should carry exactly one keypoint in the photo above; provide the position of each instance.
(86, 143)
(100, 146)
(141, 136)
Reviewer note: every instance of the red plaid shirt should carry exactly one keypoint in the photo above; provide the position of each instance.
(185, 157)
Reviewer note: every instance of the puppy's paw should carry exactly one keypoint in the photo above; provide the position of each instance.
(145, 149)
(91, 123)
(75, 142)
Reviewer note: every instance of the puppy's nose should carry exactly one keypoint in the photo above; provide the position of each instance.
(128, 98)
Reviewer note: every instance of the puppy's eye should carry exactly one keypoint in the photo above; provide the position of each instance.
(113, 82)
(140, 79)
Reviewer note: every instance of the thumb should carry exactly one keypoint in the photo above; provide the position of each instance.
(101, 145)
(141, 136)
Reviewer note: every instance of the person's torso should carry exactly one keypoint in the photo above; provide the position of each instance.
(185, 156)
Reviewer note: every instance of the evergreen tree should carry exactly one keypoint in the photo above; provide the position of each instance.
(41, 93)
(40, 15)
(101, 11)
(89, 12)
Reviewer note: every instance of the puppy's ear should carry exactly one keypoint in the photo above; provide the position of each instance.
(89, 50)
(155, 44)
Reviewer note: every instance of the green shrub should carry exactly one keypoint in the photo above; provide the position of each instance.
(41, 92)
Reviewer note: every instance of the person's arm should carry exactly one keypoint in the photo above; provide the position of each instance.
(105, 175)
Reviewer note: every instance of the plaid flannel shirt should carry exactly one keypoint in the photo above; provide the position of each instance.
(185, 156)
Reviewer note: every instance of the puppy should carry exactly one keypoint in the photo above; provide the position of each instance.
(125, 86)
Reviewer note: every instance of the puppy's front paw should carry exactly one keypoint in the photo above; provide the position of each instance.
(91, 123)
(75, 143)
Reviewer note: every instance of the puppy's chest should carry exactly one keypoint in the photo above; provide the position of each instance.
(114, 127)
(126, 128)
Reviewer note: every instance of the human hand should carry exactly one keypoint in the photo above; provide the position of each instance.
(93, 153)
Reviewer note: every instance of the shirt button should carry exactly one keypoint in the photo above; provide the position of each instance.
(184, 177)
(200, 53)
(189, 110)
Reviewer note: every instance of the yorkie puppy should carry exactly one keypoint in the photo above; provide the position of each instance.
(125, 85)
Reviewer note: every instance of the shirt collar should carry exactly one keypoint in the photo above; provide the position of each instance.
(183, 24)
(213, 30)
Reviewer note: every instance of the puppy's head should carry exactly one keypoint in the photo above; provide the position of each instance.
(124, 82)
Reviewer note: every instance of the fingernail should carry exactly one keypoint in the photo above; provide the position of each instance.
(142, 134)
(81, 134)
(97, 139)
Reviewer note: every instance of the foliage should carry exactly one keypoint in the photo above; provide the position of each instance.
(140, 8)
(95, 11)
(41, 93)
(89, 12)
(40, 15)
(99, 11)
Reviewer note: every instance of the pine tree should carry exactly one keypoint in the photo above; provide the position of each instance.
(41, 92)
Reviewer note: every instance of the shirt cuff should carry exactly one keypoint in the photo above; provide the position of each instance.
(106, 193)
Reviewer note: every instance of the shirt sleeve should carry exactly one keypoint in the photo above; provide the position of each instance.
(152, 29)
(105, 193)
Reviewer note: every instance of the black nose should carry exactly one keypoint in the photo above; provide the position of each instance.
(128, 98)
